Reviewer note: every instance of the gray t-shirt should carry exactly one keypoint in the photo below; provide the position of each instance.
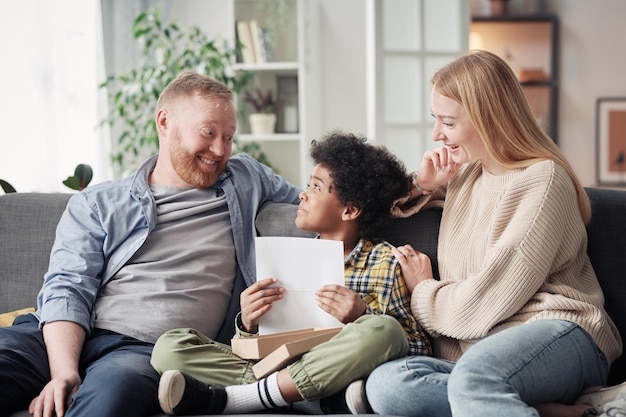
(182, 275)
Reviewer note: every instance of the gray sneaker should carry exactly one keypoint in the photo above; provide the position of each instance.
(356, 400)
(352, 400)
(616, 408)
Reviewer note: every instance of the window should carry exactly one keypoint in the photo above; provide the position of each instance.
(52, 66)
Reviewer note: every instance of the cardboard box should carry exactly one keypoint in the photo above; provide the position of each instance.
(258, 347)
(291, 351)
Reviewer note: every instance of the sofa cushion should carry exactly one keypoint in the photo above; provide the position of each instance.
(420, 231)
(279, 219)
(29, 220)
(607, 251)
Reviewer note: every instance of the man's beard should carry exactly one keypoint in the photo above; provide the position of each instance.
(185, 164)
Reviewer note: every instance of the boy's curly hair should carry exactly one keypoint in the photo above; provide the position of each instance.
(366, 176)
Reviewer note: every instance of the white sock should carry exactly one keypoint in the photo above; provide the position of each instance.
(261, 395)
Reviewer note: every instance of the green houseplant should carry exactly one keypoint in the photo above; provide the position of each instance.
(166, 51)
(83, 174)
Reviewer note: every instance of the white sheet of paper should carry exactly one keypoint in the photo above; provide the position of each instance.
(301, 265)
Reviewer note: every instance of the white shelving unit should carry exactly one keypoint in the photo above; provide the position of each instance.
(292, 29)
(526, 42)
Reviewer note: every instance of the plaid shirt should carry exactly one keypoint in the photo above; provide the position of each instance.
(374, 273)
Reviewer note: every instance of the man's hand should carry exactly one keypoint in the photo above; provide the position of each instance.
(341, 302)
(64, 342)
(256, 300)
(55, 396)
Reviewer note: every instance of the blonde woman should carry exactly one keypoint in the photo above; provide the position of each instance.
(517, 317)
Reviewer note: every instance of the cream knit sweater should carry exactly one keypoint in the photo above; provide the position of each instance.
(512, 249)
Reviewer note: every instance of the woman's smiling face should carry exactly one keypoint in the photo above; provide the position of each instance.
(454, 129)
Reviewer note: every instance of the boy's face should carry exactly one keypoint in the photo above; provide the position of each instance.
(320, 210)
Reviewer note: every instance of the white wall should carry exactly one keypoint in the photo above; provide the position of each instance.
(342, 45)
(593, 64)
(210, 15)
(52, 66)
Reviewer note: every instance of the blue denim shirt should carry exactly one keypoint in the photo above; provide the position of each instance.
(105, 224)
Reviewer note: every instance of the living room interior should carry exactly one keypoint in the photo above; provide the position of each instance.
(46, 136)
(591, 64)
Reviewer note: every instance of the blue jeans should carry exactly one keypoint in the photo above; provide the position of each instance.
(502, 375)
(118, 379)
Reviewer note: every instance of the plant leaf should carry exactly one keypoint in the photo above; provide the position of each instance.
(8, 188)
(73, 183)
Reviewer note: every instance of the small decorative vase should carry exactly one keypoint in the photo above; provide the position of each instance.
(262, 123)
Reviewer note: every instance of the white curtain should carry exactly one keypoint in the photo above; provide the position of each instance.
(50, 104)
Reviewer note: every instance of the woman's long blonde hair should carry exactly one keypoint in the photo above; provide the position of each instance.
(493, 99)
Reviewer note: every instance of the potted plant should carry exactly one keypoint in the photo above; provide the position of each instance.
(166, 51)
(265, 107)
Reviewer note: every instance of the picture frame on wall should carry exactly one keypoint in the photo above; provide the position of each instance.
(611, 140)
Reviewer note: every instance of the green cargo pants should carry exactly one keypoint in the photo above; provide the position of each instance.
(323, 371)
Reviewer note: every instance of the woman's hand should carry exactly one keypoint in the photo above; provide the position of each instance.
(340, 302)
(436, 169)
(416, 266)
(256, 300)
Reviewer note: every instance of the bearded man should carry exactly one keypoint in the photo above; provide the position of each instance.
(170, 246)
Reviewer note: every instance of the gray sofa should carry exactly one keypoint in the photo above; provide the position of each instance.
(28, 221)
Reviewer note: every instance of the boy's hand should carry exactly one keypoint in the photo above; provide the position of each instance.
(256, 300)
(340, 302)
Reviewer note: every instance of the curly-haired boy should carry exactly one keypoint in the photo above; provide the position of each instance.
(352, 188)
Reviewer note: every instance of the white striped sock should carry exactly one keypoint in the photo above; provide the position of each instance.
(261, 395)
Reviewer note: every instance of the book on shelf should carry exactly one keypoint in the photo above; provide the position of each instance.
(254, 41)
(259, 54)
(244, 39)
(267, 53)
